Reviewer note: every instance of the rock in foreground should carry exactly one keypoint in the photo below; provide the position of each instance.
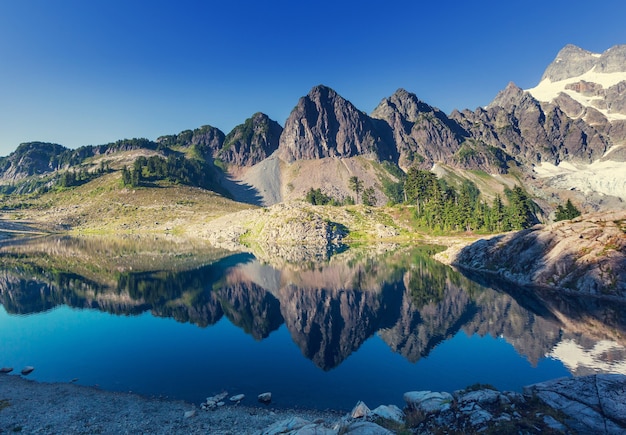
(593, 404)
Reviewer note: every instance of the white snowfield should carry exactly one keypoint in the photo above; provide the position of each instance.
(606, 177)
(546, 90)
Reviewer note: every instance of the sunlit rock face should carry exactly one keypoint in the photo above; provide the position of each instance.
(423, 134)
(251, 142)
(324, 124)
(586, 255)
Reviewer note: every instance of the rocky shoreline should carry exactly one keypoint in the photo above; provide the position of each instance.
(584, 256)
(591, 404)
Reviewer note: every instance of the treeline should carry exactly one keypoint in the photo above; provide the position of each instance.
(71, 178)
(440, 206)
(368, 195)
(175, 169)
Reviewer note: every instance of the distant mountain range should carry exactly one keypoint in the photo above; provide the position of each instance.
(562, 139)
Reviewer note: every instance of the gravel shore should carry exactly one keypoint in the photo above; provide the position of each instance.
(40, 408)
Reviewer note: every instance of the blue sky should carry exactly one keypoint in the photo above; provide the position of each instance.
(80, 72)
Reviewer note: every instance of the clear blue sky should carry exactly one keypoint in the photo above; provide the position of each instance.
(80, 72)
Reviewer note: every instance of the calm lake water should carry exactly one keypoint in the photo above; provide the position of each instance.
(166, 319)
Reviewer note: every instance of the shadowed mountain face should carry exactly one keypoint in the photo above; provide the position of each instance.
(251, 142)
(330, 309)
(531, 132)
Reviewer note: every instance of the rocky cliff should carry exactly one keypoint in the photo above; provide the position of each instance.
(531, 133)
(562, 138)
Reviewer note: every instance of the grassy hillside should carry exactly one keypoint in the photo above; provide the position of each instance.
(103, 205)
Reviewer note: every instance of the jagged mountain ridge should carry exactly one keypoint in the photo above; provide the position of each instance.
(519, 130)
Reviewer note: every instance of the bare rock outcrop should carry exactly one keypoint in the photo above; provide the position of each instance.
(586, 255)
(593, 404)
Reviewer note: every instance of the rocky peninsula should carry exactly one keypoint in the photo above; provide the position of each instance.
(584, 256)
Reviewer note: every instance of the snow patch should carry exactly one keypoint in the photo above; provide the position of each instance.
(547, 90)
(605, 177)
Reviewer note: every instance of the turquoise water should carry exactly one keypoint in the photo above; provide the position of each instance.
(322, 336)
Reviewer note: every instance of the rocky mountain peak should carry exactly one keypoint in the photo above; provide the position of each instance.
(573, 61)
(405, 103)
(207, 140)
(31, 158)
(324, 124)
(508, 97)
(251, 142)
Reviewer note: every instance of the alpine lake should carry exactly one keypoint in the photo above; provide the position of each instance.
(162, 317)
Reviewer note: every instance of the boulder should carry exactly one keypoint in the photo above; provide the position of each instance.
(428, 401)
(388, 412)
(593, 404)
(296, 425)
(479, 417)
(482, 397)
(363, 428)
(237, 398)
(360, 410)
(265, 398)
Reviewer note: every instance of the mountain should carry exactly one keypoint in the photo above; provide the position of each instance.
(422, 134)
(531, 132)
(593, 80)
(251, 142)
(563, 139)
(206, 140)
(324, 124)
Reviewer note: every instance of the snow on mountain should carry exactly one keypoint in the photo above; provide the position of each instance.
(606, 177)
(584, 89)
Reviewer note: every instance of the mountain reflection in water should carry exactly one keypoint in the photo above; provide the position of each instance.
(330, 309)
